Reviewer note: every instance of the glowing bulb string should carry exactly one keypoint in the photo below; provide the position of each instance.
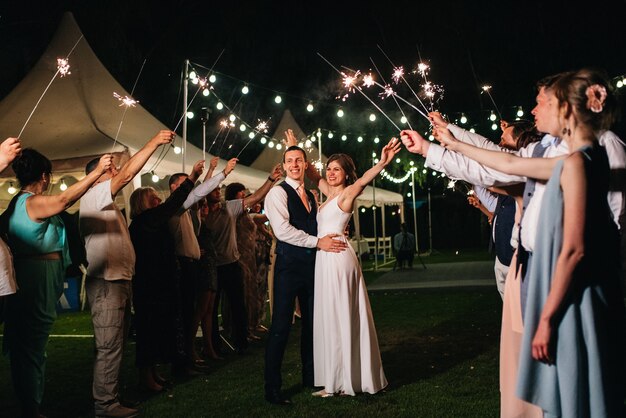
(358, 88)
(63, 69)
(406, 82)
(127, 102)
(487, 89)
(394, 97)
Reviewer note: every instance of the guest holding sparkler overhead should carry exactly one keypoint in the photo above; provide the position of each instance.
(572, 348)
(38, 241)
(111, 265)
(156, 284)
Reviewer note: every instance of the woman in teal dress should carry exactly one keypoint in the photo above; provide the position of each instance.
(572, 351)
(36, 236)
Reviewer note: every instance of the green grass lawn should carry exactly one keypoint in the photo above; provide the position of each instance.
(439, 350)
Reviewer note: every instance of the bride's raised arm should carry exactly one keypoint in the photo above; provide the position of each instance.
(347, 197)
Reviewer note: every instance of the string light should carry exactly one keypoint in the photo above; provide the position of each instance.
(11, 189)
(155, 178)
(520, 112)
(463, 118)
(344, 137)
(340, 113)
(245, 90)
(359, 139)
(492, 116)
(376, 140)
(309, 107)
(63, 186)
(372, 117)
(278, 99)
(219, 106)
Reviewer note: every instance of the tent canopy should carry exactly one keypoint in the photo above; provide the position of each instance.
(78, 118)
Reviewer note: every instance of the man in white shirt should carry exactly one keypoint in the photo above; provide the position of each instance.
(188, 254)
(9, 149)
(111, 266)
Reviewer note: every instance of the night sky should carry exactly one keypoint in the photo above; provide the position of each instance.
(272, 46)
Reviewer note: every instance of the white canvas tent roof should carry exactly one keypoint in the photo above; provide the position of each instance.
(78, 117)
(269, 156)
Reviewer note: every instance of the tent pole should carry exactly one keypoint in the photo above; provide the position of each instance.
(185, 98)
(417, 246)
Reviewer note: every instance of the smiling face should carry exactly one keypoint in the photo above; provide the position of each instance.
(295, 165)
(546, 112)
(335, 174)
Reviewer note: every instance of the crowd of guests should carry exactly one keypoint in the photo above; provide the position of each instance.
(169, 267)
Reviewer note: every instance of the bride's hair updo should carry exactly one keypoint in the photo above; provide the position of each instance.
(346, 163)
(590, 96)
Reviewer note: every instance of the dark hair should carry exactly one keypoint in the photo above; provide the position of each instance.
(174, 178)
(91, 165)
(520, 126)
(528, 137)
(346, 163)
(572, 88)
(30, 166)
(295, 148)
(232, 189)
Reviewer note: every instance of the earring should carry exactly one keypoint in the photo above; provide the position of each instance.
(566, 131)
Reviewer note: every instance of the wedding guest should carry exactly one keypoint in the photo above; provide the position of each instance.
(188, 255)
(110, 269)
(37, 239)
(155, 285)
(10, 148)
(221, 222)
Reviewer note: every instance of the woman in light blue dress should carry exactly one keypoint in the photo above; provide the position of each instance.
(36, 236)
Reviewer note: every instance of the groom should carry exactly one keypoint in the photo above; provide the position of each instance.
(292, 212)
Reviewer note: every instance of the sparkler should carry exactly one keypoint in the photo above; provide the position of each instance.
(261, 127)
(388, 92)
(219, 152)
(358, 88)
(398, 74)
(216, 136)
(63, 68)
(128, 102)
(487, 89)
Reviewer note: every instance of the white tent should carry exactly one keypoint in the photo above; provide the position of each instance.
(78, 118)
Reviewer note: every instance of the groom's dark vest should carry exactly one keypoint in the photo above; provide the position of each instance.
(301, 219)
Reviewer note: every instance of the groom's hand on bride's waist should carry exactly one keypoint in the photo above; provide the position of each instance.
(327, 243)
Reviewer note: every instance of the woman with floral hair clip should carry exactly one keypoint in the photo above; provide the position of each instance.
(572, 353)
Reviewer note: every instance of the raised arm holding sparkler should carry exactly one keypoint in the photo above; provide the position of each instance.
(9, 150)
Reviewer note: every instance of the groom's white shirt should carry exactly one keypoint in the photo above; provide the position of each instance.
(277, 212)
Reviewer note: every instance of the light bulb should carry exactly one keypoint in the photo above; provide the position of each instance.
(463, 119)
(372, 117)
(190, 115)
(309, 107)
(398, 160)
(279, 146)
(63, 186)
(403, 119)
(155, 178)
(177, 150)
(263, 141)
(520, 112)
(193, 75)
(242, 127)
(205, 92)
(360, 139)
(330, 135)
(271, 144)
(245, 90)
(376, 140)
(11, 189)
(340, 113)
(212, 78)
(232, 118)
(219, 106)
(494, 126)
(492, 117)
(344, 137)
(251, 135)
(278, 99)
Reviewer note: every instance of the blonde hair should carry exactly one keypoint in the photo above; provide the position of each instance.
(138, 201)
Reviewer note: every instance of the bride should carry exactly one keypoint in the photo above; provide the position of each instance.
(346, 356)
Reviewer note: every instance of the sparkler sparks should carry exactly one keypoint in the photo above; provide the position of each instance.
(63, 67)
(125, 100)
(486, 88)
(262, 126)
(368, 80)
(423, 68)
(398, 74)
(349, 83)
(224, 123)
(387, 92)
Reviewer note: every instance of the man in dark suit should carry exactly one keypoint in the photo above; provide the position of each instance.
(292, 211)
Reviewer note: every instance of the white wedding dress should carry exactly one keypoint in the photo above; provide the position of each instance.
(346, 356)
